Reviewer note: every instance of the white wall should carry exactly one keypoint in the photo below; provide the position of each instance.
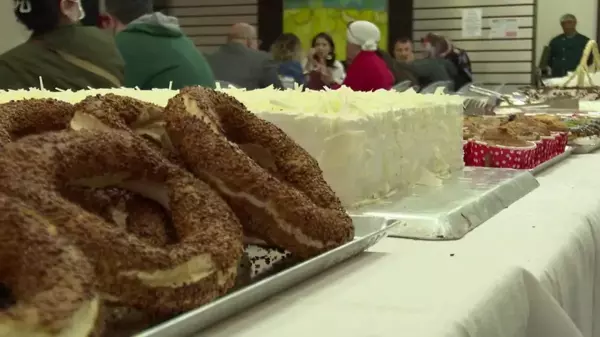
(12, 32)
(494, 61)
(549, 13)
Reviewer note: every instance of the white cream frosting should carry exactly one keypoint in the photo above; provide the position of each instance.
(368, 144)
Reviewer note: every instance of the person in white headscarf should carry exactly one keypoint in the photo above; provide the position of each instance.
(367, 71)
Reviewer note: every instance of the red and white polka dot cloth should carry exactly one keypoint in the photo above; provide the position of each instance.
(478, 153)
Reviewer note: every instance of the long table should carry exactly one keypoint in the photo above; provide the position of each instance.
(533, 271)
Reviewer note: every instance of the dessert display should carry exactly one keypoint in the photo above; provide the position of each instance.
(275, 187)
(368, 144)
(578, 84)
(541, 95)
(583, 129)
(517, 141)
(116, 210)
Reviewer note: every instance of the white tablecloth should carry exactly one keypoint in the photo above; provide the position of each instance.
(531, 271)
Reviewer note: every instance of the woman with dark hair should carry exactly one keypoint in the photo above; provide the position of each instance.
(322, 54)
(287, 52)
(63, 53)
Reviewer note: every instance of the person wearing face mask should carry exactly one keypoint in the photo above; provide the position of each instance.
(60, 51)
(157, 53)
(367, 70)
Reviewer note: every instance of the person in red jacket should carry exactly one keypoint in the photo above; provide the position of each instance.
(367, 71)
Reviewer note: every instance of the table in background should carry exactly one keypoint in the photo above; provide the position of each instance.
(531, 271)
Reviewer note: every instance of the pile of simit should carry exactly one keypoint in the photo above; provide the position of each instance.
(115, 203)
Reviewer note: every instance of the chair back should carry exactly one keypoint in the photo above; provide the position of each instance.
(465, 89)
(402, 86)
(430, 89)
(287, 82)
(225, 84)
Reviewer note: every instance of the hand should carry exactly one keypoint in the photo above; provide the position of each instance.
(311, 62)
(326, 75)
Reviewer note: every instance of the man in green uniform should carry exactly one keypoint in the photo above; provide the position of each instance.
(566, 49)
(157, 53)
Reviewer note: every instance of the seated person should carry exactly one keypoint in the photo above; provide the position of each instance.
(401, 70)
(322, 53)
(435, 67)
(157, 53)
(367, 71)
(403, 50)
(287, 52)
(457, 61)
(240, 63)
(430, 70)
(63, 53)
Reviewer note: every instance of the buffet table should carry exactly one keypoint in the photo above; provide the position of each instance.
(532, 270)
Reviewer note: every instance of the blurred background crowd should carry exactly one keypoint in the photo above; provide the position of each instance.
(135, 46)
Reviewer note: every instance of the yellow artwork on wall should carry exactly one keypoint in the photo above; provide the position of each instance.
(307, 18)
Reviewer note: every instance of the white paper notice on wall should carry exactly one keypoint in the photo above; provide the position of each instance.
(507, 28)
(471, 22)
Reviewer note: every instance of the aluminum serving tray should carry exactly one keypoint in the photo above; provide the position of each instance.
(368, 230)
(553, 161)
(449, 212)
(588, 148)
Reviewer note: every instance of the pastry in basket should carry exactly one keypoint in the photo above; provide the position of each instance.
(527, 127)
(553, 123)
(503, 136)
(474, 126)
(583, 127)
(501, 147)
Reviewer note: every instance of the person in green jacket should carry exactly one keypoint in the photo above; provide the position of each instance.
(157, 53)
(64, 54)
(566, 49)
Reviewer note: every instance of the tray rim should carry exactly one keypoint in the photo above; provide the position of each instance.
(552, 161)
(365, 242)
(585, 149)
(522, 174)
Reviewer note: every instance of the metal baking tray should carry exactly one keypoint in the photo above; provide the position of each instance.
(552, 161)
(448, 212)
(588, 148)
(368, 230)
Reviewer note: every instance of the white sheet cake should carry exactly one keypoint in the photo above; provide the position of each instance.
(368, 145)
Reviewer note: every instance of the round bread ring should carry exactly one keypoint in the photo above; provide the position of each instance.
(32, 116)
(137, 215)
(280, 195)
(104, 112)
(117, 112)
(142, 217)
(199, 268)
(20, 118)
(52, 281)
